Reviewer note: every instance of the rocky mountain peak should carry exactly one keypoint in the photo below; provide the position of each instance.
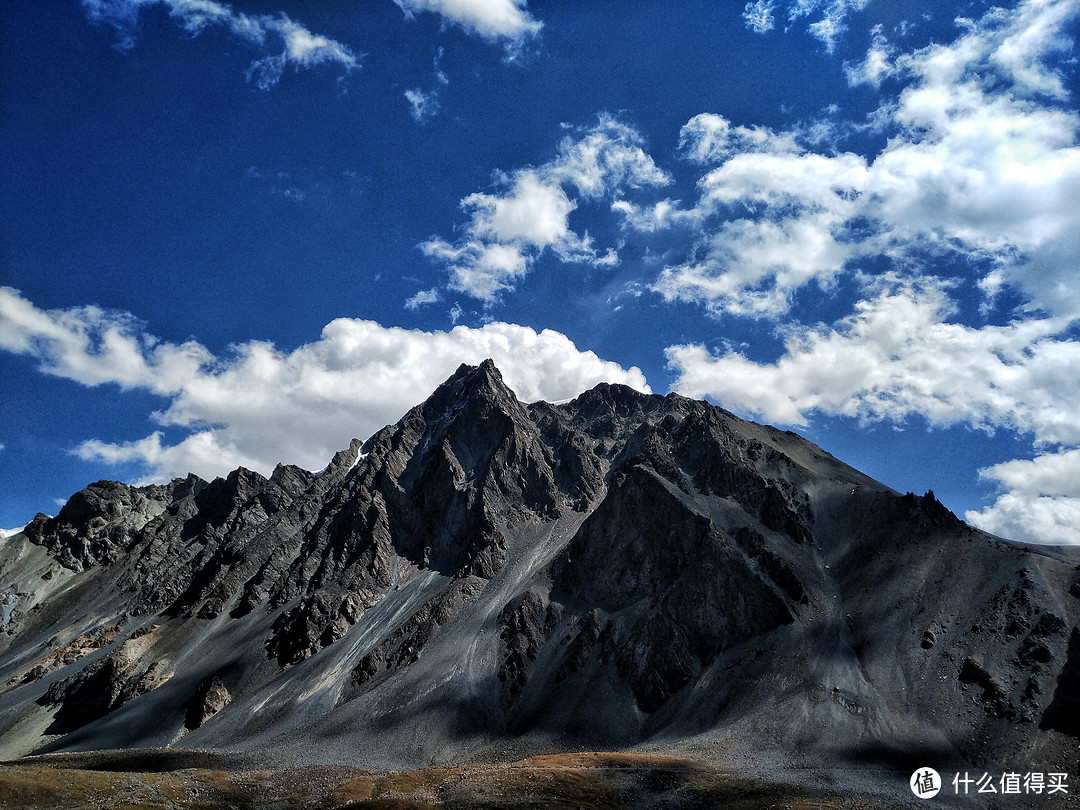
(618, 568)
(484, 381)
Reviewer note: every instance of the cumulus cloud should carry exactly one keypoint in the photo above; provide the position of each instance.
(981, 165)
(529, 210)
(1041, 501)
(897, 355)
(505, 21)
(299, 46)
(772, 217)
(261, 405)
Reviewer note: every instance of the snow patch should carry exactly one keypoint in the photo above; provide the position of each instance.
(357, 460)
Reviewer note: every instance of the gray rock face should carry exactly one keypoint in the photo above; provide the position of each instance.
(616, 569)
(97, 524)
(210, 698)
(104, 685)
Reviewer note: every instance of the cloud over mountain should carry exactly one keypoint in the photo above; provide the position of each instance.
(877, 221)
(979, 159)
(261, 405)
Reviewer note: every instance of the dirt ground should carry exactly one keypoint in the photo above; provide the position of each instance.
(195, 781)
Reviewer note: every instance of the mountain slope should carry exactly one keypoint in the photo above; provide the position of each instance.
(487, 575)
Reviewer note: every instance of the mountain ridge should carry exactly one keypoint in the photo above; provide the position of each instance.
(621, 569)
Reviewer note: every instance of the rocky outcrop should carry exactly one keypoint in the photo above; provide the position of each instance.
(406, 644)
(106, 684)
(98, 524)
(1063, 713)
(676, 589)
(63, 655)
(210, 698)
(524, 626)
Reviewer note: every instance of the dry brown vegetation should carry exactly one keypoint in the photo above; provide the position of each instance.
(578, 780)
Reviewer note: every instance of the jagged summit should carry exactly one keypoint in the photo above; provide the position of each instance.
(615, 569)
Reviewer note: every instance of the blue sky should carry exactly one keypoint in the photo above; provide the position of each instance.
(246, 233)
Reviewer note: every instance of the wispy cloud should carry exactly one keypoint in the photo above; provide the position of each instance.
(828, 27)
(259, 405)
(422, 298)
(529, 210)
(299, 46)
(759, 16)
(422, 106)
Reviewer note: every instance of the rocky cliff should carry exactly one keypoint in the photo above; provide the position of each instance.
(616, 570)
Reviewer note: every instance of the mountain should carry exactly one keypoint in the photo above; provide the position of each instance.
(488, 578)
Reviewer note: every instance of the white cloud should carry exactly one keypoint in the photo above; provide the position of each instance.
(423, 297)
(506, 21)
(833, 23)
(1053, 474)
(981, 164)
(422, 106)
(605, 160)
(980, 161)
(261, 405)
(876, 66)
(299, 46)
(529, 211)
(482, 270)
(1041, 502)
(1031, 518)
(92, 346)
(656, 217)
(772, 217)
(532, 210)
(759, 16)
(980, 173)
(900, 355)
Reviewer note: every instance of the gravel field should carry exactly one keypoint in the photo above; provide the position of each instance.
(195, 780)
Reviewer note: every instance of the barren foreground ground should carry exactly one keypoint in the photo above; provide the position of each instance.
(179, 779)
